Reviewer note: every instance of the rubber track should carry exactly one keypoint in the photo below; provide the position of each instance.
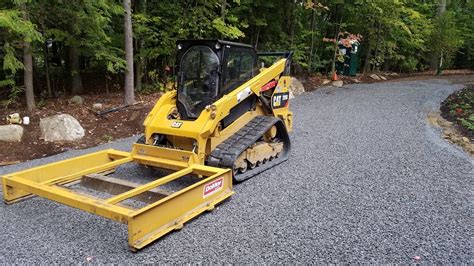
(225, 154)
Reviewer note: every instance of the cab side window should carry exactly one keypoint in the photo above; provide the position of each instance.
(246, 66)
(238, 69)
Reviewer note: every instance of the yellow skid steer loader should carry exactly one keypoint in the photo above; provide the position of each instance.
(227, 120)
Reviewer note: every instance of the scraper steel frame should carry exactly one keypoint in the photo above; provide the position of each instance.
(145, 224)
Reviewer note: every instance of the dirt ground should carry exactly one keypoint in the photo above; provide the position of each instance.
(314, 82)
(98, 129)
(128, 122)
(460, 106)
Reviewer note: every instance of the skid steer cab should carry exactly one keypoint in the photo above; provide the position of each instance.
(227, 121)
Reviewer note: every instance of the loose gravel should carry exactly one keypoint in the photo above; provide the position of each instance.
(368, 180)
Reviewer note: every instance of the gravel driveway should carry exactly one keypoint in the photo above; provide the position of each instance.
(367, 181)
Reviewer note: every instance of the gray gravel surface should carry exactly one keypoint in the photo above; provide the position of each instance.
(367, 181)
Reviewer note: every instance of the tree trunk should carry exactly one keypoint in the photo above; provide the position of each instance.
(28, 77)
(107, 77)
(28, 72)
(139, 72)
(223, 9)
(256, 38)
(334, 57)
(140, 59)
(440, 64)
(252, 33)
(434, 62)
(76, 80)
(367, 55)
(310, 59)
(292, 25)
(441, 7)
(223, 12)
(376, 52)
(368, 51)
(46, 69)
(337, 29)
(128, 86)
(46, 61)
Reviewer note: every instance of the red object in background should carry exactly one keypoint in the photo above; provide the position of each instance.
(269, 85)
(459, 111)
(334, 76)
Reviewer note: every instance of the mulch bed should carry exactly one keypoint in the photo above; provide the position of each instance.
(459, 109)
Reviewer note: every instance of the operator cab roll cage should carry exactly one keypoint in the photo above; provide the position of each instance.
(236, 63)
(201, 80)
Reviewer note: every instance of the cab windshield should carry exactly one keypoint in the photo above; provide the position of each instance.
(198, 79)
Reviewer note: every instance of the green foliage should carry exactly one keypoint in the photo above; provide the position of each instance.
(8, 84)
(155, 86)
(107, 138)
(15, 30)
(227, 31)
(13, 95)
(87, 26)
(446, 38)
(10, 61)
(398, 35)
(463, 13)
(12, 21)
(467, 123)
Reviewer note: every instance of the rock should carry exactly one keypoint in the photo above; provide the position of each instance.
(14, 118)
(134, 116)
(357, 81)
(97, 106)
(445, 122)
(291, 95)
(448, 133)
(11, 133)
(78, 100)
(296, 87)
(61, 127)
(465, 139)
(337, 83)
(382, 77)
(326, 81)
(374, 76)
(433, 119)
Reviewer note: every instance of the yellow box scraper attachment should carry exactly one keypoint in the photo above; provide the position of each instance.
(164, 212)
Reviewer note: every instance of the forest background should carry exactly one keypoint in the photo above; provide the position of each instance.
(54, 48)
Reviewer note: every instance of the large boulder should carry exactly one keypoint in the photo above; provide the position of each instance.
(78, 100)
(374, 76)
(61, 127)
(296, 87)
(338, 83)
(325, 81)
(11, 133)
